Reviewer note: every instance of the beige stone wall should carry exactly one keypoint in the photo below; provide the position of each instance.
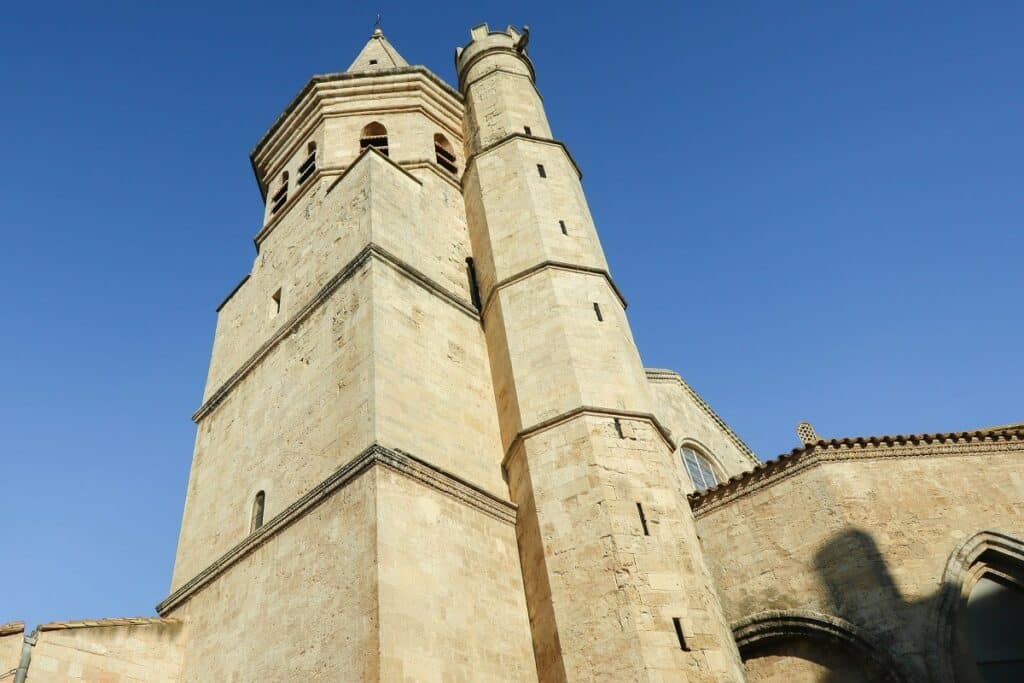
(693, 423)
(300, 607)
(862, 533)
(432, 382)
(612, 589)
(452, 606)
(299, 415)
(523, 209)
(398, 367)
(149, 651)
(801, 661)
(12, 636)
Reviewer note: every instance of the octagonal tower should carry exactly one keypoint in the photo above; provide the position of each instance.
(346, 516)
(615, 581)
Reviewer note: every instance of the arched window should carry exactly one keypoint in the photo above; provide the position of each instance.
(995, 627)
(374, 135)
(280, 197)
(444, 153)
(702, 474)
(257, 511)
(309, 165)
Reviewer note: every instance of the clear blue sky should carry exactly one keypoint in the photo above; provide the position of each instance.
(814, 209)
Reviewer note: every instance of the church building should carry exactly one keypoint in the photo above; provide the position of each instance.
(428, 449)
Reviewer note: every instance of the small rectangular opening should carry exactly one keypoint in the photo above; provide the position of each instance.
(528, 131)
(307, 168)
(677, 622)
(445, 159)
(279, 199)
(618, 428)
(540, 170)
(474, 287)
(378, 142)
(561, 224)
(275, 303)
(597, 312)
(643, 519)
(373, 61)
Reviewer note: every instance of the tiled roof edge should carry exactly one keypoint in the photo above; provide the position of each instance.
(672, 375)
(787, 460)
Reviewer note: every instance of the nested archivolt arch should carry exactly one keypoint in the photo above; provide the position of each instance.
(765, 627)
(985, 553)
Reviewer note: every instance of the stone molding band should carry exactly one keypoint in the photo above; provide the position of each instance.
(370, 251)
(376, 455)
(12, 627)
(803, 624)
(471, 159)
(919, 446)
(545, 265)
(112, 621)
(594, 411)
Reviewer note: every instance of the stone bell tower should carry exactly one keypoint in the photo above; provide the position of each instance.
(615, 581)
(346, 516)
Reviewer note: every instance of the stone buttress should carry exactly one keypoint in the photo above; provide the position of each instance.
(615, 582)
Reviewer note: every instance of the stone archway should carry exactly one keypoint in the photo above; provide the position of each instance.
(805, 646)
(986, 554)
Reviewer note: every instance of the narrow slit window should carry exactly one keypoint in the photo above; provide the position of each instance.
(275, 303)
(444, 153)
(597, 312)
(374, 135)
(618, 428)
(309, 165)
(678, 623)
(643, 521)
(474, 287)
(541, 171)
(257, 511)
(561, 224)
(528, 131)
(280, 197)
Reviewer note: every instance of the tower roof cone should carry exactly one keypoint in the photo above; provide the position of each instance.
(377, 54)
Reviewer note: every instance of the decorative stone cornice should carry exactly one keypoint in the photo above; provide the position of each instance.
(376, 455)
(11, 628)
(949, 444)
(112, 621)
(555, 265)
(613, 413)
(370, 251)
(659, 375)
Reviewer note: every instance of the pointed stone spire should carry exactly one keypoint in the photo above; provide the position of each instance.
(377, 54)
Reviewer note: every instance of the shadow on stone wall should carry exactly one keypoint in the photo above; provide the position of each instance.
(867, 630)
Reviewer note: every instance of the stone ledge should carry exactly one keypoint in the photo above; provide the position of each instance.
(545, 265)
(519, 136)
(110, 621)
(370, 251)
(396, 460)
(12, 627)
(947, 444)
(592, 411)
